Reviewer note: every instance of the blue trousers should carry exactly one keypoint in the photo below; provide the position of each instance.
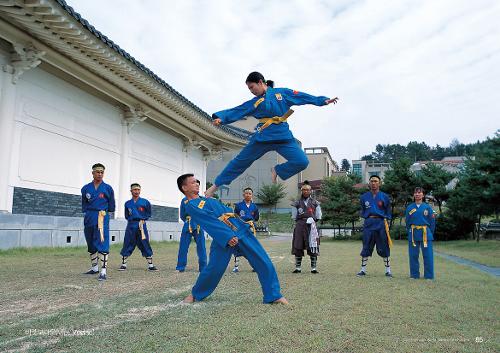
(184, 248)
(289, 149)
(252, 250)
(133, 238)
(93, 238)
(374, 234)
(428, 255)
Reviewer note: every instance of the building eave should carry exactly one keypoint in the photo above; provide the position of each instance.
(72, 45)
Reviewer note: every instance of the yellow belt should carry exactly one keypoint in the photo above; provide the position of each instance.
(424, 229)
(226, 216)
(188, 219)
(141, 228)
(389, 240)
(274, 120)
(252, 227)
(100, 224)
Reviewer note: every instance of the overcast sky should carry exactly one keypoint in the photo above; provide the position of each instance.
(405, 70)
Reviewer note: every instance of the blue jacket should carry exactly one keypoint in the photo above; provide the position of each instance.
(188, 221)
(247, 213)
(420, 216)
(380, 205)
(93, 201)
(275, 102)
(136, 211)
(206, 213)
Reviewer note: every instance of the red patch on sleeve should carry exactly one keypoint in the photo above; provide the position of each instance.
(295, 92)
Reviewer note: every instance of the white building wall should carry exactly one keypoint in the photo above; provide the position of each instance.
(60, 131)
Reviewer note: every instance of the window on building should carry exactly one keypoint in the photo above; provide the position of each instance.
(357, 169)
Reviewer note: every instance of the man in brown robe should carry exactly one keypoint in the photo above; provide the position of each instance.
(306, 212)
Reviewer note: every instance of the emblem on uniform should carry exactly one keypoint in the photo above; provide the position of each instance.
(88, 196)
(380, 204)
(101, 195)
(426, 213)
(278, 96)
(141, 209)
(412, 211)
(201, 204)
(242, 213)
(367, 204)
(295, 92)
(300, 210)
(130, 211)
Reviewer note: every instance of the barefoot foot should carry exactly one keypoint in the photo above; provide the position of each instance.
(189, 299)
(211, 191)
(281, 300)
(274, 175)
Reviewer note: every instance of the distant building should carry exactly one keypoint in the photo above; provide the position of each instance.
(450, 164)
(365, 169)
(453, 165)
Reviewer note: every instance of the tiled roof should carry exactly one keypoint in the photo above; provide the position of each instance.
(241, 133)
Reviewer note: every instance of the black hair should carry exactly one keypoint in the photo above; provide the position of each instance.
(419, 188)
(306, 182)
(135, 184)
(256, 77)
(182, 179)
(98, 165)
(199, 182)
(374, 176)
(249, 188)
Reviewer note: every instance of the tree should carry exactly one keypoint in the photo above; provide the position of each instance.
(434, 180)
(346, 166)
(478, 192)
(271, 194)
(340, 201)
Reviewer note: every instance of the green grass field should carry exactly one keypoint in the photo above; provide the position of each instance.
(47, 305)
(485, 252)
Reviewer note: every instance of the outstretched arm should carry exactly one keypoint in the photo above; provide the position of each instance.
(229, 116)
(332, 101)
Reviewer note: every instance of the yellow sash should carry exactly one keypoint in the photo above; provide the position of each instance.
(225, 218)
(188, 219)
(274, 120)
(424, 229)
(100, 224)
(141, 228)
(389, 240)
(252, 227)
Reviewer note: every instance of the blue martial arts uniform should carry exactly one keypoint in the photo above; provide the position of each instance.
(276, 137)
(190, 229)
(420, 226)
(206, 212)
(376, 210)
(96, 205)
(135, 212)
(247, 214)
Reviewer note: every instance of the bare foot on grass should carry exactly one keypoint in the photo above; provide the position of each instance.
(190, 299)
(281, 300)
